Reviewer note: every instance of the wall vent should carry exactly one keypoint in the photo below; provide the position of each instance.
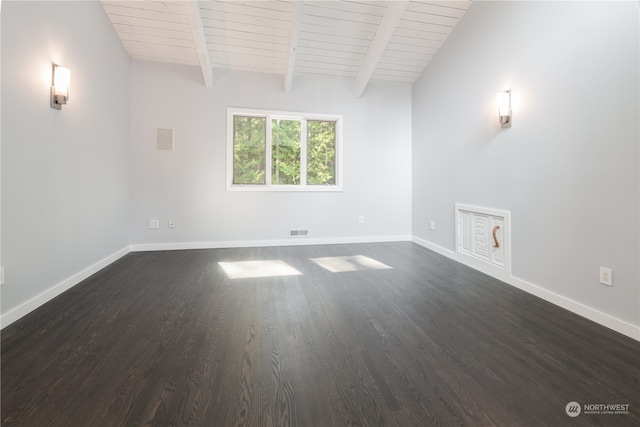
(299, 233)
(484, 234)
(164, 139)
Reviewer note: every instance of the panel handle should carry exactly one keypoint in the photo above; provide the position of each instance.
(495, 238)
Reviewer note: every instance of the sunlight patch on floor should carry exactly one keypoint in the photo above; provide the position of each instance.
(255, 269)
(339, 264)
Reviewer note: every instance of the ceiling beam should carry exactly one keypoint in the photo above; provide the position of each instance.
(390, 20)
(197, 29)
(293, 44)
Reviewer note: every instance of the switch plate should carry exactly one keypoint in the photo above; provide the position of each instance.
(154, 223)
(361, 220)
(606, 276)
(432, 225)
(172, 224)
(1, 275)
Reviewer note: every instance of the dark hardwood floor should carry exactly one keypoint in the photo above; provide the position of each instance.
(166, 339)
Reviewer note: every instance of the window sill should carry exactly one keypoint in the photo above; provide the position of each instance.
(287, 188)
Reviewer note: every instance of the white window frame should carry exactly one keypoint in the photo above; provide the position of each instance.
(270, 115)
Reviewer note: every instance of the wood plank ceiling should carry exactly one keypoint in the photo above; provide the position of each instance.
(380, 41)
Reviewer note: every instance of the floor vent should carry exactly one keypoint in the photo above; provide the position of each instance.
(299, 233)
(484, 234)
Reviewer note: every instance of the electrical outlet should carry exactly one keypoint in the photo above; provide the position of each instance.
(361, 220)
(432, 225)
(154, 223)
(606, 276)
(172, 224)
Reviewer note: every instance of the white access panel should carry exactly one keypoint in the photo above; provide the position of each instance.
(484, 234)
(164, 139)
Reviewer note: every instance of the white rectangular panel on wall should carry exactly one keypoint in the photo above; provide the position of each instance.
(484, 234)
(164, 141)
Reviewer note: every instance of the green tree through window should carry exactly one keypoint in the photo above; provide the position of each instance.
(283, 151)
(249, 136)
(321, 153)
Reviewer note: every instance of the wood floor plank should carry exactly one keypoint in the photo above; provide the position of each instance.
(167, 339)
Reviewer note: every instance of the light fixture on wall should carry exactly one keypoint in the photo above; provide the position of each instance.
(60, 81)
(504, 108)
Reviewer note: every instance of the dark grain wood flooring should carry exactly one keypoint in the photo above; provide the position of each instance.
(166, 339)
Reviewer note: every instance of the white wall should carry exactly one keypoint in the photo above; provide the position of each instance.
(568, 169)
(188, 185)
(65, 197)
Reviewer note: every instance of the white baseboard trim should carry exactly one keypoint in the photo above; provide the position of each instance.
(580, 309)
(590, 313)
(27, 307)
(297, 241)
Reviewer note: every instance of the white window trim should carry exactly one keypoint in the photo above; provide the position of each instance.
(270, 114)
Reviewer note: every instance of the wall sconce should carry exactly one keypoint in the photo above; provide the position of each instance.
(504, 108)
(60, 81)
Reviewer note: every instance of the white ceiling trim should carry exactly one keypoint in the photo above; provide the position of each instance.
(365, 41)
(387, 27)
(200, 39)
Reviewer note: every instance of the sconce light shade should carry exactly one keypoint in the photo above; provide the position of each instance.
(60, 81)
(504, 108)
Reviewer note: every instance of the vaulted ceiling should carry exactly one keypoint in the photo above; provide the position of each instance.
(379, 41)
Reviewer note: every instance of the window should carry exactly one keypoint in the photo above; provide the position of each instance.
(276, 151)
